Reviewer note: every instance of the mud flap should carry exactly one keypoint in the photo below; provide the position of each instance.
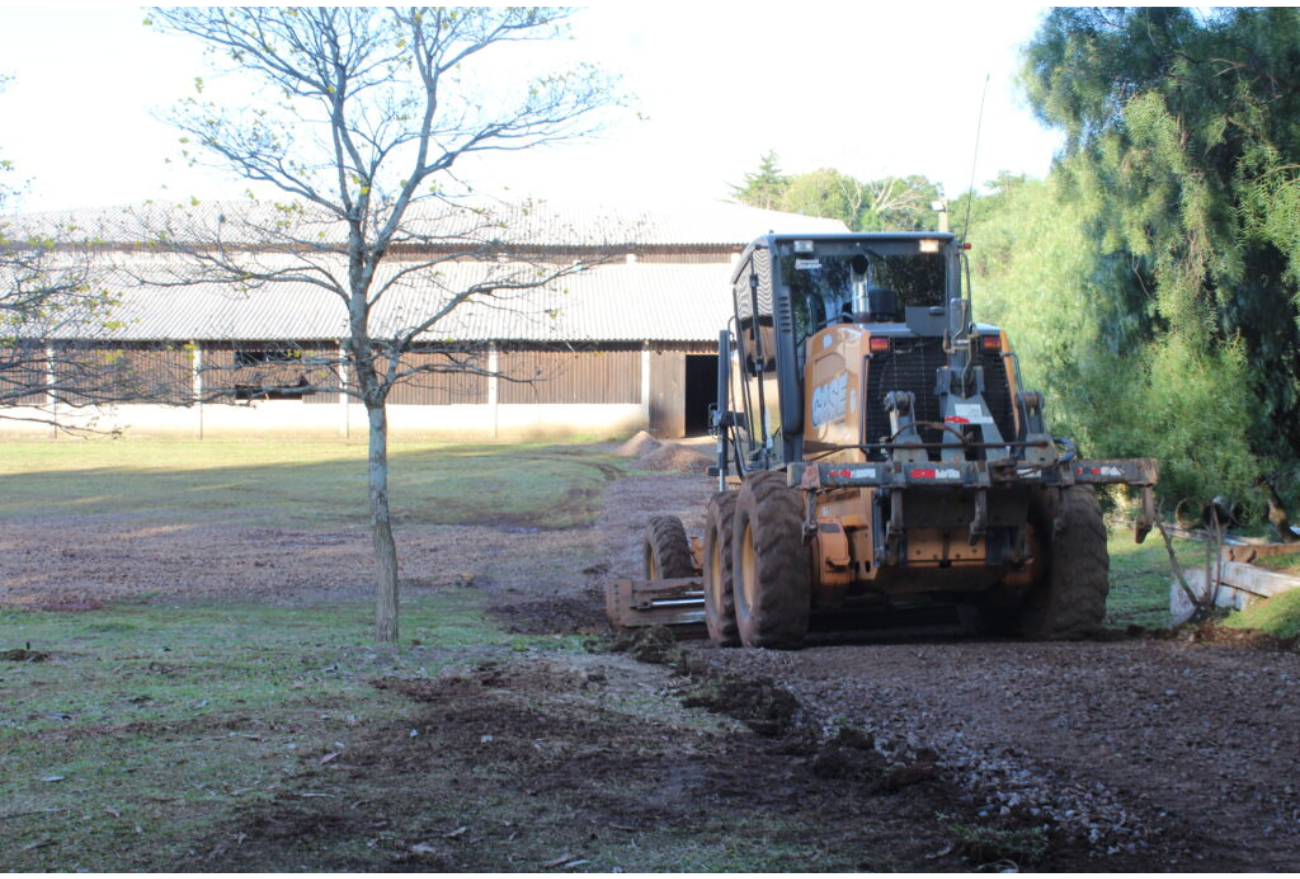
(676, 603)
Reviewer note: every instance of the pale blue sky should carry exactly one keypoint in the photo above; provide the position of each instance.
(871, 91)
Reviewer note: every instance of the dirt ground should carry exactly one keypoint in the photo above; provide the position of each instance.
(1118, 754)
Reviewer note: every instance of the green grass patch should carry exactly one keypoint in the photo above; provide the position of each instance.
(985, 844)
(1140, 575)
(1278, 616)
(303, 484)
(147, 725)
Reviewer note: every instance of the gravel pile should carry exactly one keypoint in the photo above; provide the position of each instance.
(676, 458)
(639, 445)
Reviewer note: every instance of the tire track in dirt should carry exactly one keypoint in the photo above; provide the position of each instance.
(1144, 753)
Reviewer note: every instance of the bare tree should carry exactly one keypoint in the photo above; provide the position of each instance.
(366, 113)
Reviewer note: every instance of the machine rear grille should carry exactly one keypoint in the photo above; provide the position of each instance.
(911, 365)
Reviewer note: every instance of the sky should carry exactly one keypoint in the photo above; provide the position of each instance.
(871, 90)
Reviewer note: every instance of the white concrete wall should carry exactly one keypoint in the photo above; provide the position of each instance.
(290, 418)
(1240, 585)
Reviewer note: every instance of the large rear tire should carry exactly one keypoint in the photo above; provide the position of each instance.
(667, 551)
(719, 596)
(1069, 601)
(771, 564)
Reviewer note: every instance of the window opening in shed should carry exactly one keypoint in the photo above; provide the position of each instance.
(245, 357)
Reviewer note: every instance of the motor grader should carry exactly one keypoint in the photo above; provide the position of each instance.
(878, 455)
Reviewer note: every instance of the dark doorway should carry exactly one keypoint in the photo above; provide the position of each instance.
(701, 389)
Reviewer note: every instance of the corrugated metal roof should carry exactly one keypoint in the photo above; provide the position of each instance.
(536, 224)
(614, 302)
(617, 302)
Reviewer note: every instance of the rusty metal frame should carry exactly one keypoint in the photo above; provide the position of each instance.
(632, 604)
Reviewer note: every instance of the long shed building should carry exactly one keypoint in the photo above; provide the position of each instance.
(625, 343)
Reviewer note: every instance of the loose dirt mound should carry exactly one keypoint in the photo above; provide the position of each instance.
(639, 445)
(656, 645)
(542, 763)
(581, 614)
(21, 655)
(675, 458)
(759, 703)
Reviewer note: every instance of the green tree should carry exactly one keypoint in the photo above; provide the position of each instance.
(1183, 135)
(899, 204)
(1115, 388)
(825, 193)
(890, 204)
(764, 188)
(364, 114)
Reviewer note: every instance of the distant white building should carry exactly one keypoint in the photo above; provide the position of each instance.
(626, 344)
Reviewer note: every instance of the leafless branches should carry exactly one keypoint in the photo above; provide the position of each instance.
(361, 116)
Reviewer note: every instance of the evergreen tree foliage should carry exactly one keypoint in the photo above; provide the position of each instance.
(764, 188)
(1082, 337)
(1180, 185)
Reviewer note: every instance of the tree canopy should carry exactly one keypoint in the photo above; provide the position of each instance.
(764, 188)
(1183, 132)
(896, 204)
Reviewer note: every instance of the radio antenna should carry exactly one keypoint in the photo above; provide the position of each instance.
(975, 153)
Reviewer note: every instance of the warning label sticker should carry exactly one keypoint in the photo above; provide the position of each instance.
(972, 412)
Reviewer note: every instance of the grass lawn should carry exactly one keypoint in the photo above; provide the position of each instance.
(148, 726)
(301, 484)
(147, 730)
(1140, 575)
(1278, 616)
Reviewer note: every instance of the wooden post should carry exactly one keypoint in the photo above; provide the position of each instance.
(645, 385)
(494, 388)
(50, 400)
(343, 392)
(196, 381)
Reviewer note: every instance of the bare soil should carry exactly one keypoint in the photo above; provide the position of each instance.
(1125, 753)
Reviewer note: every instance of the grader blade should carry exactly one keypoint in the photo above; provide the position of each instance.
(678, 603)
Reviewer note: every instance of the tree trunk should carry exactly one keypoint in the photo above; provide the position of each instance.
(381, 528)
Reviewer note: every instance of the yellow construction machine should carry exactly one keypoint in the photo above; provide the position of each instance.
(878, 456)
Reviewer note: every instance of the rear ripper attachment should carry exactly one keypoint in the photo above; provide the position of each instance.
(671, 592)
(878, 454)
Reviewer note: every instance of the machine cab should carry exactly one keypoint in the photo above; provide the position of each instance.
(802, 299)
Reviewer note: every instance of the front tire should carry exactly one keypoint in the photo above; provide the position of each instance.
(771, 564)
(719, 595)
(667, 551)
(1069, 602)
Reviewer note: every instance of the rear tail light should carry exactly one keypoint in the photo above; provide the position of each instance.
(879, 344)
(992, 343)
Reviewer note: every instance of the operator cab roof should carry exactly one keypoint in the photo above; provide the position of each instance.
(846, 241)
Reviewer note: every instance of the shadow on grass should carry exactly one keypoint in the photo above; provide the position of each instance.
(304, 485)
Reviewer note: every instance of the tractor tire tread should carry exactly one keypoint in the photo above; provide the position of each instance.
(779, 618)
(720, 598)
(1077, 579)
(667, 546)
